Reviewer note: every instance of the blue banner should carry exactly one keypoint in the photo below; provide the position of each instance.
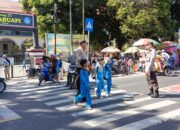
(16, 20)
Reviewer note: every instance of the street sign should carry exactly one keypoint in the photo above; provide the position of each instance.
(89, 24)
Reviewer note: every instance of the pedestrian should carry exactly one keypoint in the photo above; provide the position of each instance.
(58, 68)
(99, 72)
(6, 64)
(74, 60)
(150, 70)
(108, 76)
(84, 85)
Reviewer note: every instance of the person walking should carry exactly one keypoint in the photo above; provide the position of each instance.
(99, 72)
(84, 85)
(74, 60)
(108, 76)
(6, 64)
(58, 68)
(150, 70)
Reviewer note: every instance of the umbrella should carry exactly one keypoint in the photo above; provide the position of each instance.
(169, 44)
(143, 41)
(110, 50)
(132, 50)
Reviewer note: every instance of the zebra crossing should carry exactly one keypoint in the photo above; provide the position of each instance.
(121, 105)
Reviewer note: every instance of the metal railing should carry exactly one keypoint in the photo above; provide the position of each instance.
(15, 71)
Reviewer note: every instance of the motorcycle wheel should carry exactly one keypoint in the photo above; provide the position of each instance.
(169, 72)
(2, 86)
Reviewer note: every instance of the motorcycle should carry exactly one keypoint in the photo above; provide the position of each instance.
(168, 69)
(2, 85)
(31, 72)
(72, 75)
(43, 76)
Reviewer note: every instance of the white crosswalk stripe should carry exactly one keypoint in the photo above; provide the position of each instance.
(127, 113)
(142, 124)
(107, 109)
(100, 109)
(58, 102)
(71, 106)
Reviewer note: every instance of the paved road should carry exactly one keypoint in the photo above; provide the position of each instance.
(50, 107)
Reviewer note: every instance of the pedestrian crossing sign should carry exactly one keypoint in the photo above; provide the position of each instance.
(89, 24)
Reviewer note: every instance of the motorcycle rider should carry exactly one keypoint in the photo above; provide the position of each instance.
(47, 65)
(79, 54)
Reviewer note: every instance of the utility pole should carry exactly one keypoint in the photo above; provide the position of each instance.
(70, 17)
(55, 12)
(83, 13)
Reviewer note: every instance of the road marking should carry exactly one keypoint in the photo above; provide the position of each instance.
(44, 91)
(57, 96)
(57, 102)
(38, 88)
(101, 109)
(151, 121)
(49, 94)
(127, 113)
(97, 101)
(7, 115)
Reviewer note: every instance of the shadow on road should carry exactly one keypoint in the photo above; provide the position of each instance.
(170, 95)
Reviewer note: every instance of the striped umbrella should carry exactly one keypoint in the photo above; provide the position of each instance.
(110, 50)
(143, 41)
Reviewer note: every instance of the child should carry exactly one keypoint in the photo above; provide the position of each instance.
(108, 75)
(84, 85)
(99, 76)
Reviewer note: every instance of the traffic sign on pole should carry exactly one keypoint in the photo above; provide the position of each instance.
(89, 23)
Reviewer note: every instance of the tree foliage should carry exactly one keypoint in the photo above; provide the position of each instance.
(144, 18)
(106, 26)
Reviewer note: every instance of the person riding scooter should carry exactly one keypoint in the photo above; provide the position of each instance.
(45, 71)
(46, 68)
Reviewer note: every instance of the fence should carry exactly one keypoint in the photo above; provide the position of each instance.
(15, 71)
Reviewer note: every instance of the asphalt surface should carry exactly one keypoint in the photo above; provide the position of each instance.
(50, 107)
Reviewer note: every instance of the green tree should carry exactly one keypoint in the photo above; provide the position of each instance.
(106, 26)
(144, 18)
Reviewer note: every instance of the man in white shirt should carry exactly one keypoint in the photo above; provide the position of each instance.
(150, 70)
(81, 52)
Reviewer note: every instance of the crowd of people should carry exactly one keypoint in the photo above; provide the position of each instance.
(101, 68)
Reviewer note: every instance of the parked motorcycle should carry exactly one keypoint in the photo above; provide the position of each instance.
(32, 72)
(2, 85)
(51, 76)
(168, 69)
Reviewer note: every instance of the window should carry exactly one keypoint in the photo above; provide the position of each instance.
(5, 47)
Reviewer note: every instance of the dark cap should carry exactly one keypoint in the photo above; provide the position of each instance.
(82, 42)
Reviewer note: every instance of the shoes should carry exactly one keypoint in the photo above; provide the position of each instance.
(99, 96)
(89, 108)
(107, 95)
(150, 92)
(156, 94)
(75, 102)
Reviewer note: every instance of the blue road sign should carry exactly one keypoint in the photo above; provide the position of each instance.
(89, 24)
